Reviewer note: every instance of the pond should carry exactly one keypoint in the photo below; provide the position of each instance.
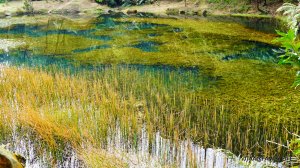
(214, 82)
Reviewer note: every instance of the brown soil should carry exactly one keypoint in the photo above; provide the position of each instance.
(159, 8)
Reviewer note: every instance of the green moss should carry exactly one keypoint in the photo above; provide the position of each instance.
(251, 15)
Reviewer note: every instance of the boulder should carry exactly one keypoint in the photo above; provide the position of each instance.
(204, 13)
(131, 12)
(11, 160)
(182, 12)
(7, 13)
(2, 14)
(172, 11)
(71, 9)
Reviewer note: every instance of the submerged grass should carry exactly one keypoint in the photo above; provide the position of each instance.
(179, 42)
(237, 105)
(80, 108)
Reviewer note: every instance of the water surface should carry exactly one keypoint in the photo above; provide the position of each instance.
(236, 92)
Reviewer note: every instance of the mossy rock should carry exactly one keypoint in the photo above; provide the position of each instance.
(172, 11)
(131, 12)
(11, 160)
(2, 14)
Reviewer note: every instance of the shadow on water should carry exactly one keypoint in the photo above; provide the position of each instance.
(260, 51)
(38, 31)
(268, 25)
(92, 48)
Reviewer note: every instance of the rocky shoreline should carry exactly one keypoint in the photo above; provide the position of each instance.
(88, 8)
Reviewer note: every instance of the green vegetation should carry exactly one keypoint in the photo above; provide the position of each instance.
(289, 41)
(28, 8)
(237, 105)
(185, 78)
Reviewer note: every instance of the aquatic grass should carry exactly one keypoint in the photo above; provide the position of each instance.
(237, 105)
(187, 47)
(80, 108)
(204, 26)
(100, 158)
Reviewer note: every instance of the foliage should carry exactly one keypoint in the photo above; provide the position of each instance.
(248, 96)
(295, 147)
(290, 53)
(28, 6)
(292, 12)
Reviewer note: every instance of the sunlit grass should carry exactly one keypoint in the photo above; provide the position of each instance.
(237, 105)
(80, 108)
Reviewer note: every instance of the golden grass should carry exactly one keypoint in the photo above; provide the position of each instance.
(80, 108)
(99, 158)
(249, 104)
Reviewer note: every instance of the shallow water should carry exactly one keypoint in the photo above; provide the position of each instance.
(238, 91)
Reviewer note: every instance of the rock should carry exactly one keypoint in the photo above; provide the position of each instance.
(197, 4)
(111, 12)
(172, 11)
(71, 9)
(6, 13)
(145, 15)
(11, 160)
(195, 13)
(2, 14)
(130, 12)
(204, 13)
(20, 12)
(182, 12)
(41, 11)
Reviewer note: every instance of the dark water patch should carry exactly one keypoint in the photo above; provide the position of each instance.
(91, 48)
(264, 24)
(260, 51)
(108, 22)
(154, 34)
(142, 25)
(147, 46)
(39, 31)
(25, 58)
(145, 15)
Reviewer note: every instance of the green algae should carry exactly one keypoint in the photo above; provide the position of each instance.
(186, 47)
(218, 28)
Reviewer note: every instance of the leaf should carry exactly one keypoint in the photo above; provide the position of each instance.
(296, 152)
(296, 82)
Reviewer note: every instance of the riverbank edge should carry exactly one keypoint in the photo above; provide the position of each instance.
(164, 9)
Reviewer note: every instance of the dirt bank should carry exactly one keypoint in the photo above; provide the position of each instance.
(52, 7)
(88, 7)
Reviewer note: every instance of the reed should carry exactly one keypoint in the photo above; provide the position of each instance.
(236, 105)
(79, 108)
